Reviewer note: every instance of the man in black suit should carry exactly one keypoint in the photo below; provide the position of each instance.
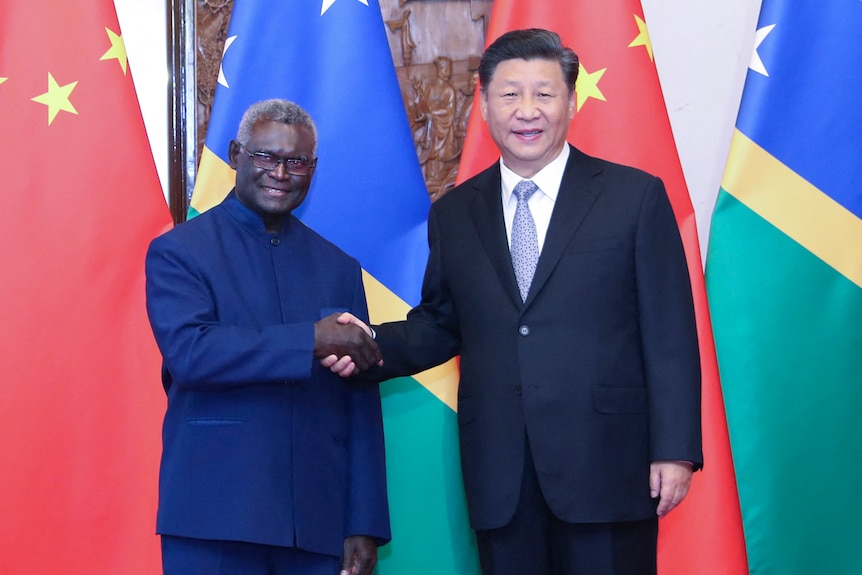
(571, 309)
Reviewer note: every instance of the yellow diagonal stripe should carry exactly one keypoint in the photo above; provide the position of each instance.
(383, 306)
(790, 203)
(214, 181)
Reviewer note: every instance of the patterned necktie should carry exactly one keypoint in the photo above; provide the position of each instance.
(525, 245)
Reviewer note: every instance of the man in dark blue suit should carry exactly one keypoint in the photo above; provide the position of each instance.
(271, 464)
(560, 280)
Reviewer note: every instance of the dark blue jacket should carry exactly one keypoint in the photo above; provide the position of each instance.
(261, 444)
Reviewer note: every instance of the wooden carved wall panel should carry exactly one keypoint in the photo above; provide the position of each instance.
(435, 47)
(212, 18)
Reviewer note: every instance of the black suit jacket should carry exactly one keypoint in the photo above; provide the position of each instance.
(599, 367)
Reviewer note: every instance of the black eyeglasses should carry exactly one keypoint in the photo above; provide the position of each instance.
(300, 166)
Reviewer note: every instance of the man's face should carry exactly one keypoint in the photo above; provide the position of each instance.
(528, 106)
(272, 193)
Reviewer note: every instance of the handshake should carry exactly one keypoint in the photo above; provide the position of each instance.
(344, 344)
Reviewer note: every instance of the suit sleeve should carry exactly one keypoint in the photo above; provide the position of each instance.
(198, 349)
(669, 333)
(430, 335)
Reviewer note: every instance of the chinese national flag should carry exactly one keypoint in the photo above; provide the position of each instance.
(621, 117)
(80, 398)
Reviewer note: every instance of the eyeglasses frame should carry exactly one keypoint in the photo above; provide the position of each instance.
(255, 156)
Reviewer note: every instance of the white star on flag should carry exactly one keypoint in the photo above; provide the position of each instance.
(756, 63)
(328, 3)
(221, 77)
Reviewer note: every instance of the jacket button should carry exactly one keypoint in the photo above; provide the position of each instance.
(517, 390)
(275, 241)
(524, 330)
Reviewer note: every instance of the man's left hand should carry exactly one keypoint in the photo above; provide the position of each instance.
(334, 339)
(669, 481)
(345, 366)
(360, 555)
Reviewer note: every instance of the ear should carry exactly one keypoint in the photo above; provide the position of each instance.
(572, 96)
(483, 104)
(232, 153)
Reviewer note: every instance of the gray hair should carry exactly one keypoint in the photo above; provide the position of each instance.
(275, 110)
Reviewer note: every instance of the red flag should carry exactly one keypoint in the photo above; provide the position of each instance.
(621, 117)
(80, 398)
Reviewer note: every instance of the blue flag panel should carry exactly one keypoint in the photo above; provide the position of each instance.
(808, 111)
(368, 196)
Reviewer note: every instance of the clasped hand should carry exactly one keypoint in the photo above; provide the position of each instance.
(345, 347)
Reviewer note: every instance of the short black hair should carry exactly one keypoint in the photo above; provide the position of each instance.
(529, 44)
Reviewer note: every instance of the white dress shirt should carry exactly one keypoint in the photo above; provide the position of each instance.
(541, 202)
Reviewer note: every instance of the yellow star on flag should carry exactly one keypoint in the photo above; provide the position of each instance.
(3, 80)
(587, 85)
(117, 50)
(57, 98)
(642, 38)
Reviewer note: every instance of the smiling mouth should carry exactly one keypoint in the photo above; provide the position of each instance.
(275, 191)
(528, 133)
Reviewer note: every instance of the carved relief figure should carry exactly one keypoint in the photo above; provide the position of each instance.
(466, 107)
(417, 112)
(441, 142)
(481, 10)
(407, 42)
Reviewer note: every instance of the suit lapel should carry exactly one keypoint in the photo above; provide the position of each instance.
(487, 213)
(578, 193)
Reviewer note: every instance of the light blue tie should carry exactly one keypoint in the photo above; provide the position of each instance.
(525, 245)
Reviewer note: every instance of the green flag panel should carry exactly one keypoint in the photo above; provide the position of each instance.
(788, 333)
